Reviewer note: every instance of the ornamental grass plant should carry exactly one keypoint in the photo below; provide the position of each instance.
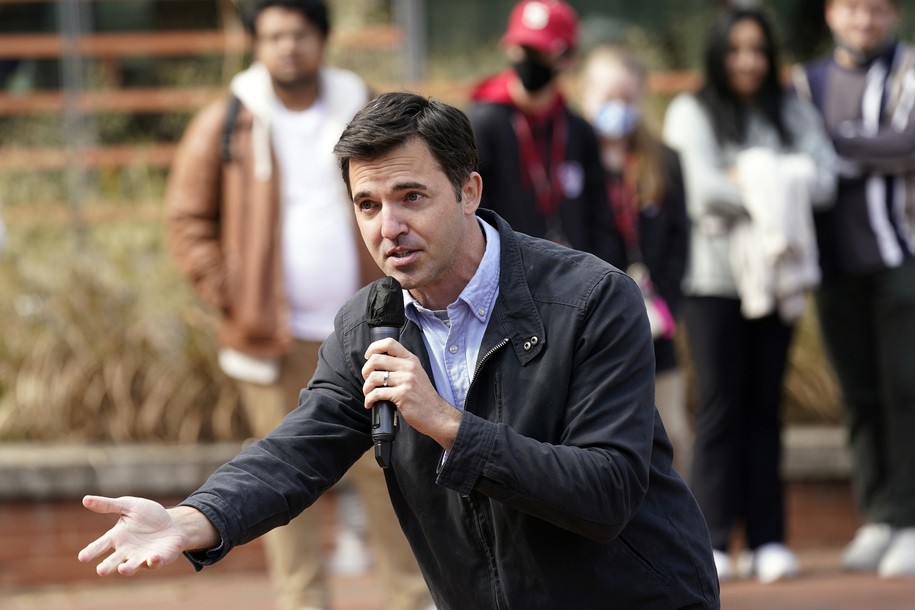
(103, 342)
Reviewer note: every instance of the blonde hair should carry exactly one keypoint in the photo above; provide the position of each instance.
(646, 177)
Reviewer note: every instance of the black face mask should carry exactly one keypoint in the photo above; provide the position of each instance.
(534, 75)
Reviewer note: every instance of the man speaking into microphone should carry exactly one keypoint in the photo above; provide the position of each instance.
(385, 316)
(530, 469)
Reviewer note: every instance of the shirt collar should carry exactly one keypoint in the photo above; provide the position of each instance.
(479, 295)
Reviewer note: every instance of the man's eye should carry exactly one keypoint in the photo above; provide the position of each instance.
(413, 196)
(366, 206)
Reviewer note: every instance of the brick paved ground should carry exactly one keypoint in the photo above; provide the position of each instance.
(39, 571)
(242, 591)
(822, 586)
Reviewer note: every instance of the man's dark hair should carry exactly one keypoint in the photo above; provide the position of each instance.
(393, 119)
(314, 11)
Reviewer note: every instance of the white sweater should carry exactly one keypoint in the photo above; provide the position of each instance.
(773, 250)
(715, 203)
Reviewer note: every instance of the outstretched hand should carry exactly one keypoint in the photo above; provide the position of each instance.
(146, 535)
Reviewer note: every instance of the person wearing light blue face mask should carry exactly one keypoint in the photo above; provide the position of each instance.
(616, 119)
(646, 195)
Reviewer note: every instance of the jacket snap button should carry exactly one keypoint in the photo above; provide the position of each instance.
(527, 346)
(534, 340)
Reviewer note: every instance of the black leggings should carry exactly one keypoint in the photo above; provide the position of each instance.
(739, 365)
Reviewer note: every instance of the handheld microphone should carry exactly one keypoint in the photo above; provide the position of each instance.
(385, 317)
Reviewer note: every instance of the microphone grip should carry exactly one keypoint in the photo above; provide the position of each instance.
(383, 431)
(384, 427)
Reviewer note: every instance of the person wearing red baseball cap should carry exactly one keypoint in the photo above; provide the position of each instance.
(540, 160)
(550, 27)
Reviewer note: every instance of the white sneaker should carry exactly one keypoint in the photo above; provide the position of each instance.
(899, 560)
(350, 557)
(864, 552)
(769, 563)
(745, 564)
(723, 565)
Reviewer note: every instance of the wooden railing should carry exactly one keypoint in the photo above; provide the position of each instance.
(117, 46)
(114, 47)
(153, 100)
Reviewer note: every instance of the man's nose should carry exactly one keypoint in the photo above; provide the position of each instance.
(392, 224)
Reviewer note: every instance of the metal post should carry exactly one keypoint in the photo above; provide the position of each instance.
(75, 131)
(411, 17)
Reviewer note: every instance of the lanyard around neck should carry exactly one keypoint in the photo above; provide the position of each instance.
(624, 203)
(543, 178)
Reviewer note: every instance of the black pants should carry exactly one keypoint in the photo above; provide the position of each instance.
(739, 365)
(868, 326)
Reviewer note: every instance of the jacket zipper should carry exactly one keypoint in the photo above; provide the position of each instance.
(474, 511)
(485, 357)
(480, 364)
(494, 581)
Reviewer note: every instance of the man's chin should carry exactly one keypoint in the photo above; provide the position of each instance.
(293, 82)
(863, 48)
(405, 279)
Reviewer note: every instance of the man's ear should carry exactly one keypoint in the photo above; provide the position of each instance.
(472, 192)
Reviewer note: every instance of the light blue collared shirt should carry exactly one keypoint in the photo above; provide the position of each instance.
(454, 347)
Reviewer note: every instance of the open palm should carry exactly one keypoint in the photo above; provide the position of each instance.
(144, 536)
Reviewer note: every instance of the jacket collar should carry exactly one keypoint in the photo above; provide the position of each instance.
(342, 92)
(342, 96)
(255, 90)
(515, 317)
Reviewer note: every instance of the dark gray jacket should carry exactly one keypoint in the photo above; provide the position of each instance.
(558, 491)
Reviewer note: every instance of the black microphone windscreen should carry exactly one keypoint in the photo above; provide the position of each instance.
(385, 306)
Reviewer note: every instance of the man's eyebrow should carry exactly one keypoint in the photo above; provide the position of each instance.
(400, 186)
(406, 186)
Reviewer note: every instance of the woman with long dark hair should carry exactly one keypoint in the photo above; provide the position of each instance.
(755, 160)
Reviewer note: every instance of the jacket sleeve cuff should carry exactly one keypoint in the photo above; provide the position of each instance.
(468, 456)
(201, 559)
(216, 511)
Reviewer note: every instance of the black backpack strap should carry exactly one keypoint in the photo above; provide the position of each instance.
(228, 127)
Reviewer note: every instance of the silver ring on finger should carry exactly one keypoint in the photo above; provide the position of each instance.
(384, 381)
